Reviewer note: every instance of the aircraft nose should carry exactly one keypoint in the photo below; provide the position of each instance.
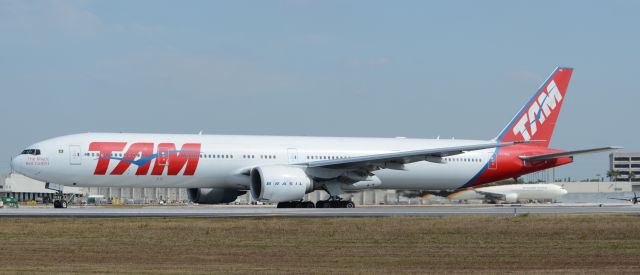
(19, 165)
(15, 165)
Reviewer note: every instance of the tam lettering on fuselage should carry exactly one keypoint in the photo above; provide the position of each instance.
(142, 155)
(538, 111)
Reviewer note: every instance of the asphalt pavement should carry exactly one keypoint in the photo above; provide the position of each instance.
(267, 211)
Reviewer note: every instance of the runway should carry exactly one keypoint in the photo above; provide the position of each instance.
(265, 211)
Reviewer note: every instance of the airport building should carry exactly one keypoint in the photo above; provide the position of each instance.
(625, 166)
(22, 188)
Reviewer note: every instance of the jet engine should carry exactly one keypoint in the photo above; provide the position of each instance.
(213, 195)
(279, 183)
(511, 197)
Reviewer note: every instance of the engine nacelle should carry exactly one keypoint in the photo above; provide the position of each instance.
(213, 195)
(511, 197)
(279, 183)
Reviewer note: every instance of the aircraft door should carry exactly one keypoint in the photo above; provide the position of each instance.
(493, 161)
(292, 155)
(74, 155)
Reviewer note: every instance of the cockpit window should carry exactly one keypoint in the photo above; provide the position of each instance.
(34, 152)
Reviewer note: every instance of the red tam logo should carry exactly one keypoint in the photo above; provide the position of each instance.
(142, 154)
(539, 110)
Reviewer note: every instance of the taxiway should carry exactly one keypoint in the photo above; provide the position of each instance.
(262, 211)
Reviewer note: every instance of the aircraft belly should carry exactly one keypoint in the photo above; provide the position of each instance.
(427, 176)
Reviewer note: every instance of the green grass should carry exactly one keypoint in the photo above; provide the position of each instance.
(486, 244)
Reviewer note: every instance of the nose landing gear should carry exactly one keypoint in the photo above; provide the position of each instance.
(59, 204)
(59, 199)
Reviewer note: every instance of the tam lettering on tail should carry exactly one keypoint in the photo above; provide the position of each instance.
(536, 120)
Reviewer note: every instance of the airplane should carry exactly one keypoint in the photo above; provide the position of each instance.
(509, 193)
(282, 169)
(634, 200)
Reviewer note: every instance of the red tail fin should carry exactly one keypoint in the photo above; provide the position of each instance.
(536, 120)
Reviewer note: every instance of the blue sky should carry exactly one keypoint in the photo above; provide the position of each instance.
(330, 68)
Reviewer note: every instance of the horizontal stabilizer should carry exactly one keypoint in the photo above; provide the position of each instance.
(570, 153)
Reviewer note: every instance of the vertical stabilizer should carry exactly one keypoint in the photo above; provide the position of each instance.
(536, 120)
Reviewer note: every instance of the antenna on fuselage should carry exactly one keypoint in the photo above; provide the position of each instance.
(200, 133)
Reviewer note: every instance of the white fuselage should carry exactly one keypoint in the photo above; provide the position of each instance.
(513, 192)
(222, 161)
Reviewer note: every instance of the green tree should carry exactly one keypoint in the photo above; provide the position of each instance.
(613, 175)
(632, 176)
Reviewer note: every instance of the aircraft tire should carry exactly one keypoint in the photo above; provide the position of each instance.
(322, 204)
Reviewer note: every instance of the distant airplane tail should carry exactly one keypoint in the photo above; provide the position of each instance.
(536, 120)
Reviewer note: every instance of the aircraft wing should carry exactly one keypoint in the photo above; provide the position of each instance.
(570, 153)
(619, 199)
(396, 160)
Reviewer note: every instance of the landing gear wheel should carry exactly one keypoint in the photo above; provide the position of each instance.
(335, 204)
(56, 204)
(63, 204)
(296, 204)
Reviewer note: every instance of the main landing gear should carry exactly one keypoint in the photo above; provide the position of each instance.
(296, 204)
(335, 204)
(335, 201)
(319, 204)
